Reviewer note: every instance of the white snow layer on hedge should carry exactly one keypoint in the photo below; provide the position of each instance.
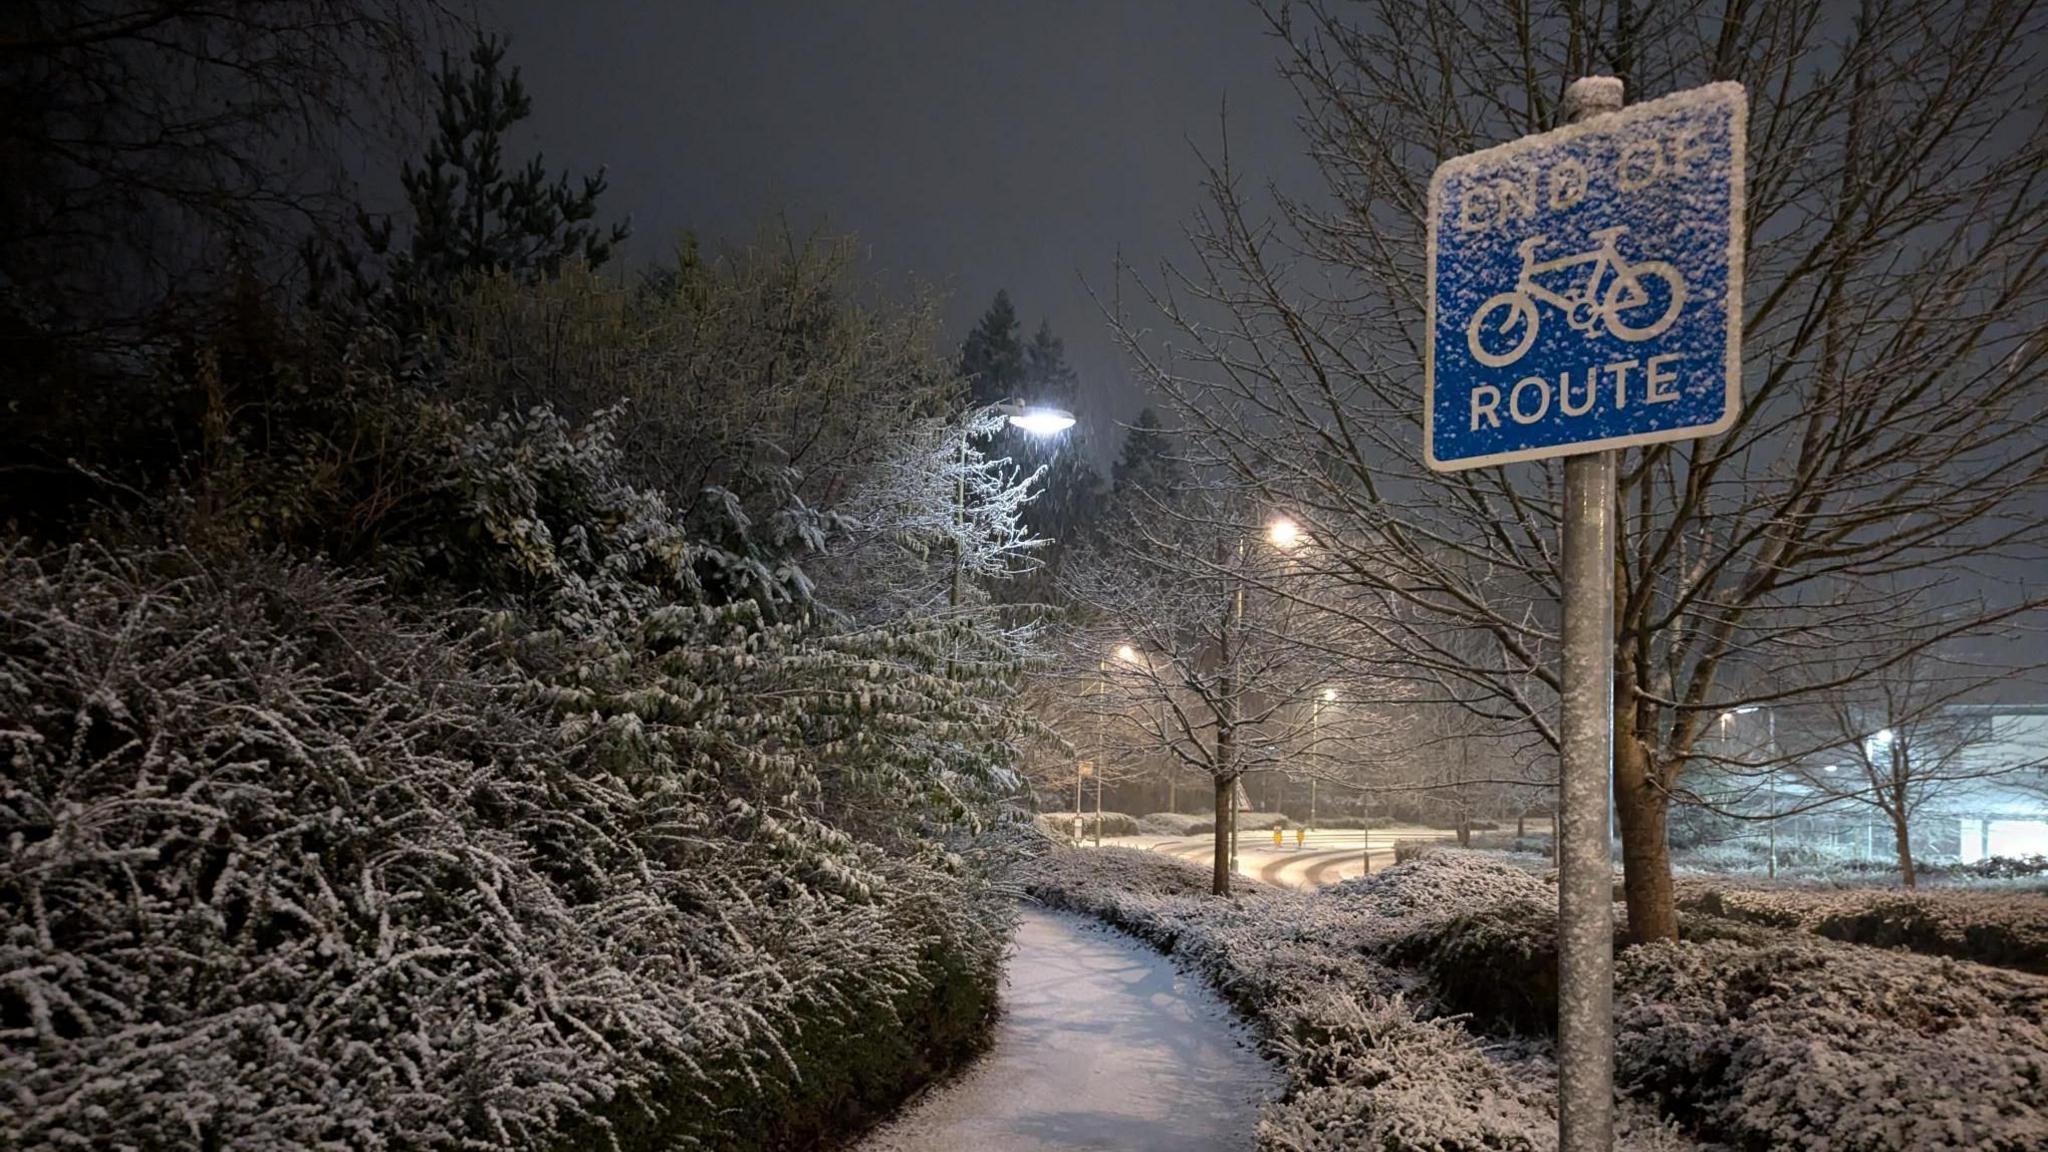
(1794, 1043)
(1367, 1066)
(284, 871)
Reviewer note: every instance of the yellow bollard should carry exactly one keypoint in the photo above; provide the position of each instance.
(1276, 838)
(1300, 837)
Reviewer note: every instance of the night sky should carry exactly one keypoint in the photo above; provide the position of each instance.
(972, 146)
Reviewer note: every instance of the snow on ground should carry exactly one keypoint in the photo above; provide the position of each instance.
(1327, 856)
(1102, 1045)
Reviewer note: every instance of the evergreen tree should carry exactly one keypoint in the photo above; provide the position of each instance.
(992, 359)
(1000, 366)
(1146, 464)
(1047, 378)
(470, 214)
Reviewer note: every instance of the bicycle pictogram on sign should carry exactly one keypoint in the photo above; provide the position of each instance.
(1616, 295)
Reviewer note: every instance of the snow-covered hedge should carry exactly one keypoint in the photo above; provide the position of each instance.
(1369, 993)
(1366, 1066)
(1406, 850)
(1810, 1044)
(1176, 824)
(285, 867)
(2001, 928)
(1060, 825)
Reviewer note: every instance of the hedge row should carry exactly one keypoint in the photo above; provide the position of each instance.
(1367, 1066)
(1745, 1040)
(2001, 928)
(1764, 1041)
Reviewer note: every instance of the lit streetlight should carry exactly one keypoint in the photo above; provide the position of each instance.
(1283, 533)
(1036, 419)
(1039, 421)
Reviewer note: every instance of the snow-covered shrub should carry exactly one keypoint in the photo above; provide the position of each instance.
(1406, 850)
(2003, 929)
(1060, 825)
(1994, 868)
(1810, 1044)
(286, 868)
(1176, 824)
(1367, 1065)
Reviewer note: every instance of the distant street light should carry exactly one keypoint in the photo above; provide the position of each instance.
(1127, 654)
(1284, 533)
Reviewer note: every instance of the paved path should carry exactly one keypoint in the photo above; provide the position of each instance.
(1102, 1045)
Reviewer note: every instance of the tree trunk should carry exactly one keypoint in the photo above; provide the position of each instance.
(1464, 832)
(1644, 811)
(1220, 881)
(1520, 819)
(1901, 832)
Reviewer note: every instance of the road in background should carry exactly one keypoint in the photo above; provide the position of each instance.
(1329, 855)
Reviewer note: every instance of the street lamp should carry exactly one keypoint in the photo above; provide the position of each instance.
(1036, 419)
(1039, 420)
(1128, 655)
(1283, 533)
(1327, 696)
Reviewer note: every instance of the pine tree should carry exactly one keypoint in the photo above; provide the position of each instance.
(992, 359)
(1002, 367)
(1047, 378)
(1146, 464)
(470, 215)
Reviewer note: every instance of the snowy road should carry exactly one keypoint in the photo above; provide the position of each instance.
(1102, 1045)
(1327, 857)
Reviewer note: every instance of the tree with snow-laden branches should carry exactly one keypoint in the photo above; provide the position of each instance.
(1888, 453)
(1185, 651)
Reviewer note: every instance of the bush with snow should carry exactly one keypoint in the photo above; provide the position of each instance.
(1060, 825)
(1176, 824)
(288, 865)
(1999, 928)
(1810, 1044)
(1378, 995)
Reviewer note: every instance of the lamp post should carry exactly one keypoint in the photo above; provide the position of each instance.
(1315, 741)
(1771, 815)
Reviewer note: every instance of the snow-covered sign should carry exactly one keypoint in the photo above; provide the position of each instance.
(1585, 285)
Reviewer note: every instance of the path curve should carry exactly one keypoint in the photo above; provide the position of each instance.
(1102, 1045)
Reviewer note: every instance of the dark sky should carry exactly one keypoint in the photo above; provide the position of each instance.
(973, 145)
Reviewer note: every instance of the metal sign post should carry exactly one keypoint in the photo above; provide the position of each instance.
(1586, 296)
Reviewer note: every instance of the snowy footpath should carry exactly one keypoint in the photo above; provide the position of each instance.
(1102, 1045)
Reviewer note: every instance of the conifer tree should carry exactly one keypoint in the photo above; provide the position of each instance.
(471, 214)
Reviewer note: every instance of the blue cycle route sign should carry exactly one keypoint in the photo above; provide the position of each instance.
(1586, 285)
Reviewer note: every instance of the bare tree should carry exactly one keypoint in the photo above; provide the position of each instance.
(141, 136)
(1204, 662)
(1906, 741)
(1890, 440)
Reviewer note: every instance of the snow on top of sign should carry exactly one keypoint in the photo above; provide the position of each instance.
(1595, 93)
(1704, 96)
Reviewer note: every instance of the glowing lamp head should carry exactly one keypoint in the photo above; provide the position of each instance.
(1329, 693)
(1284, 533)
(1042, 421)
(1127, 654)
